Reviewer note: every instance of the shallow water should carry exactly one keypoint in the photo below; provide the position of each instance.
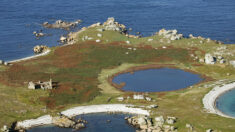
(226, 103)
(157, 80)
(96, 123)
(18, 19)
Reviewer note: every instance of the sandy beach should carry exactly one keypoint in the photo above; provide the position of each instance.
(210, 98)
(113, 108)
(30, 57)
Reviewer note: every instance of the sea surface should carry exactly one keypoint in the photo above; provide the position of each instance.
(19, 18)
(157, 80)
(96, 123)
(226, 103)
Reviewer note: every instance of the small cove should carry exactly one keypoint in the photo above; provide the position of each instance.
(156, 80)
(96, 123)
(226, 103)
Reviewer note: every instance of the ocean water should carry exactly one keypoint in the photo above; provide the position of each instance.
(96, 123)
(226, 103)
(157, 80)
(18, 19)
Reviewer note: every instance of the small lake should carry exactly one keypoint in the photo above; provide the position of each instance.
(226, 103)
(96, 123)
(157, 80)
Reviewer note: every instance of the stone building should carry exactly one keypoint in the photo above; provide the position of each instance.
(40, 85)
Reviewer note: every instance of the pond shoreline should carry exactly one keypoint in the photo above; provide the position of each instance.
(153, 66)
(209, 100)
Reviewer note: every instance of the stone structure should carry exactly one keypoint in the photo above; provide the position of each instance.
(40, 85)
(209, 59)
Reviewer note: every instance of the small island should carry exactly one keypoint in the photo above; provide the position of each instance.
(83, 69)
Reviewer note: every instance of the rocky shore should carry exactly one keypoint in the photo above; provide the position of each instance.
(66, 117)
(209, 100)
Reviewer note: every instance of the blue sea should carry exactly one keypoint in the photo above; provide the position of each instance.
(157, 80)
(19, 18)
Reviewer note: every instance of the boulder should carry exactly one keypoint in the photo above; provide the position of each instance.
(63, 39)
(170, 120)
(120, 98)
(148, 98)
(4, 129)
(97, 41)
(138, 97)
(209, 130)
(209, 59)
(170, 34)
(1, 62)
(232, 62)
(159, 120)
(152, 106)
(40, 48)
(99, 35)
(64, 122)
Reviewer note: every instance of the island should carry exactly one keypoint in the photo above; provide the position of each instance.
(83, 69)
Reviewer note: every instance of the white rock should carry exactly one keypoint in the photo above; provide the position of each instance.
(99, 35)
(63, 39)
(152, 106)
(134, 49)
(164, 47)
(138, 97)
(97, 41)
(127, 53)
(148, 98)
(159, 119)
(128, 42)
(209, 59)
(232, 63)
(150, 40)
(209, 130)
(120, 98)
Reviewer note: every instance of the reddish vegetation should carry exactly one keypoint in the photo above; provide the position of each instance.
(76, 68)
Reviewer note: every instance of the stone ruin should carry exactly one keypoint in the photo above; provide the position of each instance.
(41, 85)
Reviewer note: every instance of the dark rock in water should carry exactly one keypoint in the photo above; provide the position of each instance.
(62, 24)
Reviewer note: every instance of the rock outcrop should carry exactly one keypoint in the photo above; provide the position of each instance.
(170, 34)
(40, 49)
(145, 124)
(65, 122)
(62, 24)
(111, 24)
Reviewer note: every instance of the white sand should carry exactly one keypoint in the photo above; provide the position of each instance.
(47, 119)
(31, 57)
(210, 98)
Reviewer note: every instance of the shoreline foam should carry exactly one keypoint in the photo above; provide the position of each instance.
(209, 100)
(103, 108)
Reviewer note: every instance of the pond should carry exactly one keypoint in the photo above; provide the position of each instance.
(226, 103)
(96, 123)
(156, 80)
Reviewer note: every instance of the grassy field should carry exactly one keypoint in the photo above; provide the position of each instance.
(81, 71)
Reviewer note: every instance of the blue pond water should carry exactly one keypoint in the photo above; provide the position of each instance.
(157, 80)
(96, 123)
(18, 19)
(226, 103)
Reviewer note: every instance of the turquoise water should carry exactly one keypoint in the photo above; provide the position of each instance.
(19, 18)
(157, 80)
(96, 123)
(226, 103)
